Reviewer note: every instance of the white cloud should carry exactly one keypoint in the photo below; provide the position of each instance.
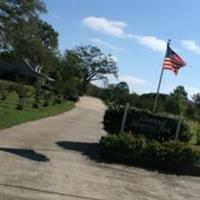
(191, 45)
(58, 17)
(135, 84)
(116, 29)
(192, 90)
(106, 44)
(112, 28)
(152, 42)
(131, 80)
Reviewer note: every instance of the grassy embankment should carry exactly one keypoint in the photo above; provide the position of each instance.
(10, 116)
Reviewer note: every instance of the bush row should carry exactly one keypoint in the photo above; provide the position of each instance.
(169, 152)
(140, 121)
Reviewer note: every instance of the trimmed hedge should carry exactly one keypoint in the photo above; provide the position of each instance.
(139, 148)
(140, 121)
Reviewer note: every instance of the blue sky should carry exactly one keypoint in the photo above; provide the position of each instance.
(135, 33)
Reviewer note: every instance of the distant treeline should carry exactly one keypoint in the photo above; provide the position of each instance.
(176, 102)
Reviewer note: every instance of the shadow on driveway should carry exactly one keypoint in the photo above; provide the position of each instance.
(26, 153)
(88, 149)
(92, 151)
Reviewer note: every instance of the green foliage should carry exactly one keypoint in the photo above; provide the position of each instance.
(140, 121)
(176, 103)
(25, 36)
(198, 136)
(47, 98)
(118, 94)
(23, 92)
(48, 35)
(67, 77)
(94, 65)
(169, 152)
(125, 143)
(14, 12)
(196, 99)
(95, 91)
(10, 116)
(5, 88)
(180, 92)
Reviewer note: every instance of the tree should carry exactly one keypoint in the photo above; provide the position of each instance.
(48, 35)
(122, 87)
(94, 65)
(14, 11)
(24, 36)
(117, 93)
(67, 76)
(22, 92)
(177, 101)
(180, 92)
(121, 92)
(196, 99)
(173, 105)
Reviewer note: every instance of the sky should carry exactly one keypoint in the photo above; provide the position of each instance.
(135, 33)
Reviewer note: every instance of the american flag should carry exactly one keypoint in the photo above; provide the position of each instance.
(173, 61)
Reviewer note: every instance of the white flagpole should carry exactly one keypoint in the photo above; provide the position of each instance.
(159, 84)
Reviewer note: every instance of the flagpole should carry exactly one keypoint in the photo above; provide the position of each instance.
(159, 84)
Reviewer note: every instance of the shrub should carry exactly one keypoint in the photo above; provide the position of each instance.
(140, 121)
(47, 98)
(169, 152)
(198, 137)
(124, 143)
(35, 104)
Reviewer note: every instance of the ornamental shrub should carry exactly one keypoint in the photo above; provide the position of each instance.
(169, 152)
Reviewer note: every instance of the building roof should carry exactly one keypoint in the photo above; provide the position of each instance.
(12, 71)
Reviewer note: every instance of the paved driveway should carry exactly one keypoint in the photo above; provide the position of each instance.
(57, 159)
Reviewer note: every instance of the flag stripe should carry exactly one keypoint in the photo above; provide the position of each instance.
(173, 61)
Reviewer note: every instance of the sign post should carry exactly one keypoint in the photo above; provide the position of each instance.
(124, 118)
(178, 128)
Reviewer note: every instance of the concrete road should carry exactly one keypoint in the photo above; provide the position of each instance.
(57, 159)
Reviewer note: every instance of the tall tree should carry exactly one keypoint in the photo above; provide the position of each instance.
(14, 11)
(180, 92)
(122, 87)
(32, 39)
(48, 35)
(68, 76)
(177, 102)
(94, 64)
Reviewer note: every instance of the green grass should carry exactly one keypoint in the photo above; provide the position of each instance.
(194, 127)
(10, 116)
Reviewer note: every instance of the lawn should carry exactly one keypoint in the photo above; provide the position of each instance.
(10, 116)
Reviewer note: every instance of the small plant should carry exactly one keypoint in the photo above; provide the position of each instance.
(47, 97)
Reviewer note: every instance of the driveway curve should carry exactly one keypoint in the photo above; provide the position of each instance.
(57, 158)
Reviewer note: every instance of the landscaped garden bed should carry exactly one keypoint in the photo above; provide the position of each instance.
(149, 140)
(170, 156)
